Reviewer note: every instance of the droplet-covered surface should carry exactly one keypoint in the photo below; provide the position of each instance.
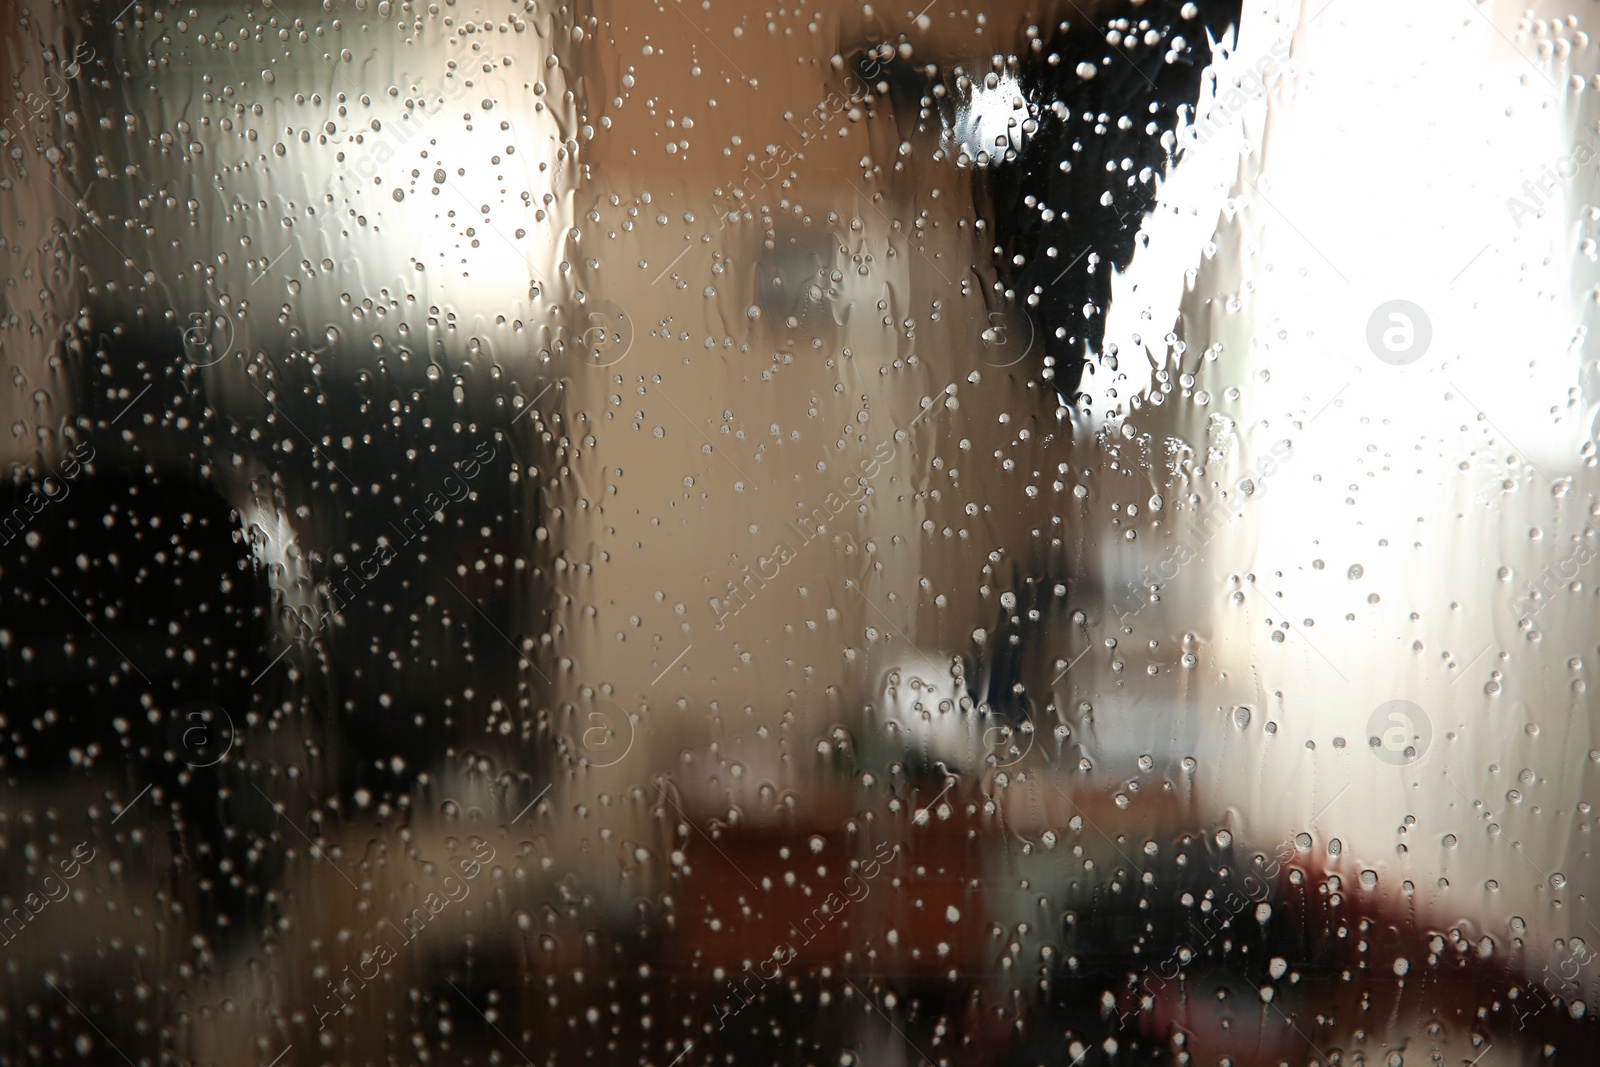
(680, 534)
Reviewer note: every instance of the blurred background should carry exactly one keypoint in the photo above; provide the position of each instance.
(666, 533)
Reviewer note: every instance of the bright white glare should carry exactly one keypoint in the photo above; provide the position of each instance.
(989, 121)
(414, 188)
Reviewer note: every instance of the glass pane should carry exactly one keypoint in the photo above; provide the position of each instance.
(686, 534)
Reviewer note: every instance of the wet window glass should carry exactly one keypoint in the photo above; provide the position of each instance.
(684, 533)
